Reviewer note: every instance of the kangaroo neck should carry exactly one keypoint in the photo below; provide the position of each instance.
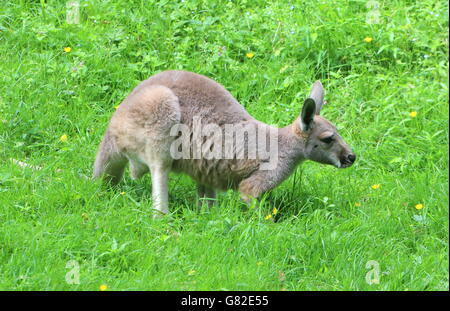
(291, 144)
(290, 154)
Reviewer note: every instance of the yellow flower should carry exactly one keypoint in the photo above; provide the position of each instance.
(376, 186)
(275, 211)
(64, 138)
(268, 217)
(191, 272)
(85, 216)
(419, 206)
(259, 263)
(250, 54)
(357, 204)
(368, 39)
(103, 287)
(413, 114)
(122, 193)
(116, 107)
(67, 49)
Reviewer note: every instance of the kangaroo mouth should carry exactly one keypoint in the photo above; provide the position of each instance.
(345, 164)
(341, 163)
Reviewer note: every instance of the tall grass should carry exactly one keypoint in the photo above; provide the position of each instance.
(330, 223)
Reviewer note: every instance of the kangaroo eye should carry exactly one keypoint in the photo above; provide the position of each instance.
(328, 139)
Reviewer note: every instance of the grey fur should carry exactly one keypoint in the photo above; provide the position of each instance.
(139, 132)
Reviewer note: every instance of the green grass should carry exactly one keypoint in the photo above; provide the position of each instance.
(319, 240)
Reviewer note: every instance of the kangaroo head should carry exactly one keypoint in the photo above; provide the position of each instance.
(323, 143)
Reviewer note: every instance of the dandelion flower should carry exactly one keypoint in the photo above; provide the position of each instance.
(122, 193)
(376, 186)
(368, 39)
(268, 217)
(250, 54)
(275, 211)
(419, 206)
(191, 272)
(116, 107)
(357, 204)
(413, 114)
(67, 49)
(64, 138)
(103, 287)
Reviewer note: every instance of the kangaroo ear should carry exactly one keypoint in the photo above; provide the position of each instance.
(307, 116)
(317, 94)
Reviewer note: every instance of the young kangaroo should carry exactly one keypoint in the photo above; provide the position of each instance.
(145, 131)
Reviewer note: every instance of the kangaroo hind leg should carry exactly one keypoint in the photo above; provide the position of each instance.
(160, 193)
(159, 107)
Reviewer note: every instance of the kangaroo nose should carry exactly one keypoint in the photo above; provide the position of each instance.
(351, 157)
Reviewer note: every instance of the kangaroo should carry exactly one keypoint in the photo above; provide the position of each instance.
(145, 131)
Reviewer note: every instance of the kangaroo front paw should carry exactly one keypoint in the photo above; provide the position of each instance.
(248, 199)
(250, 189)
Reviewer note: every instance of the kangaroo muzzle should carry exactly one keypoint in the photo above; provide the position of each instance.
(347, 160)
